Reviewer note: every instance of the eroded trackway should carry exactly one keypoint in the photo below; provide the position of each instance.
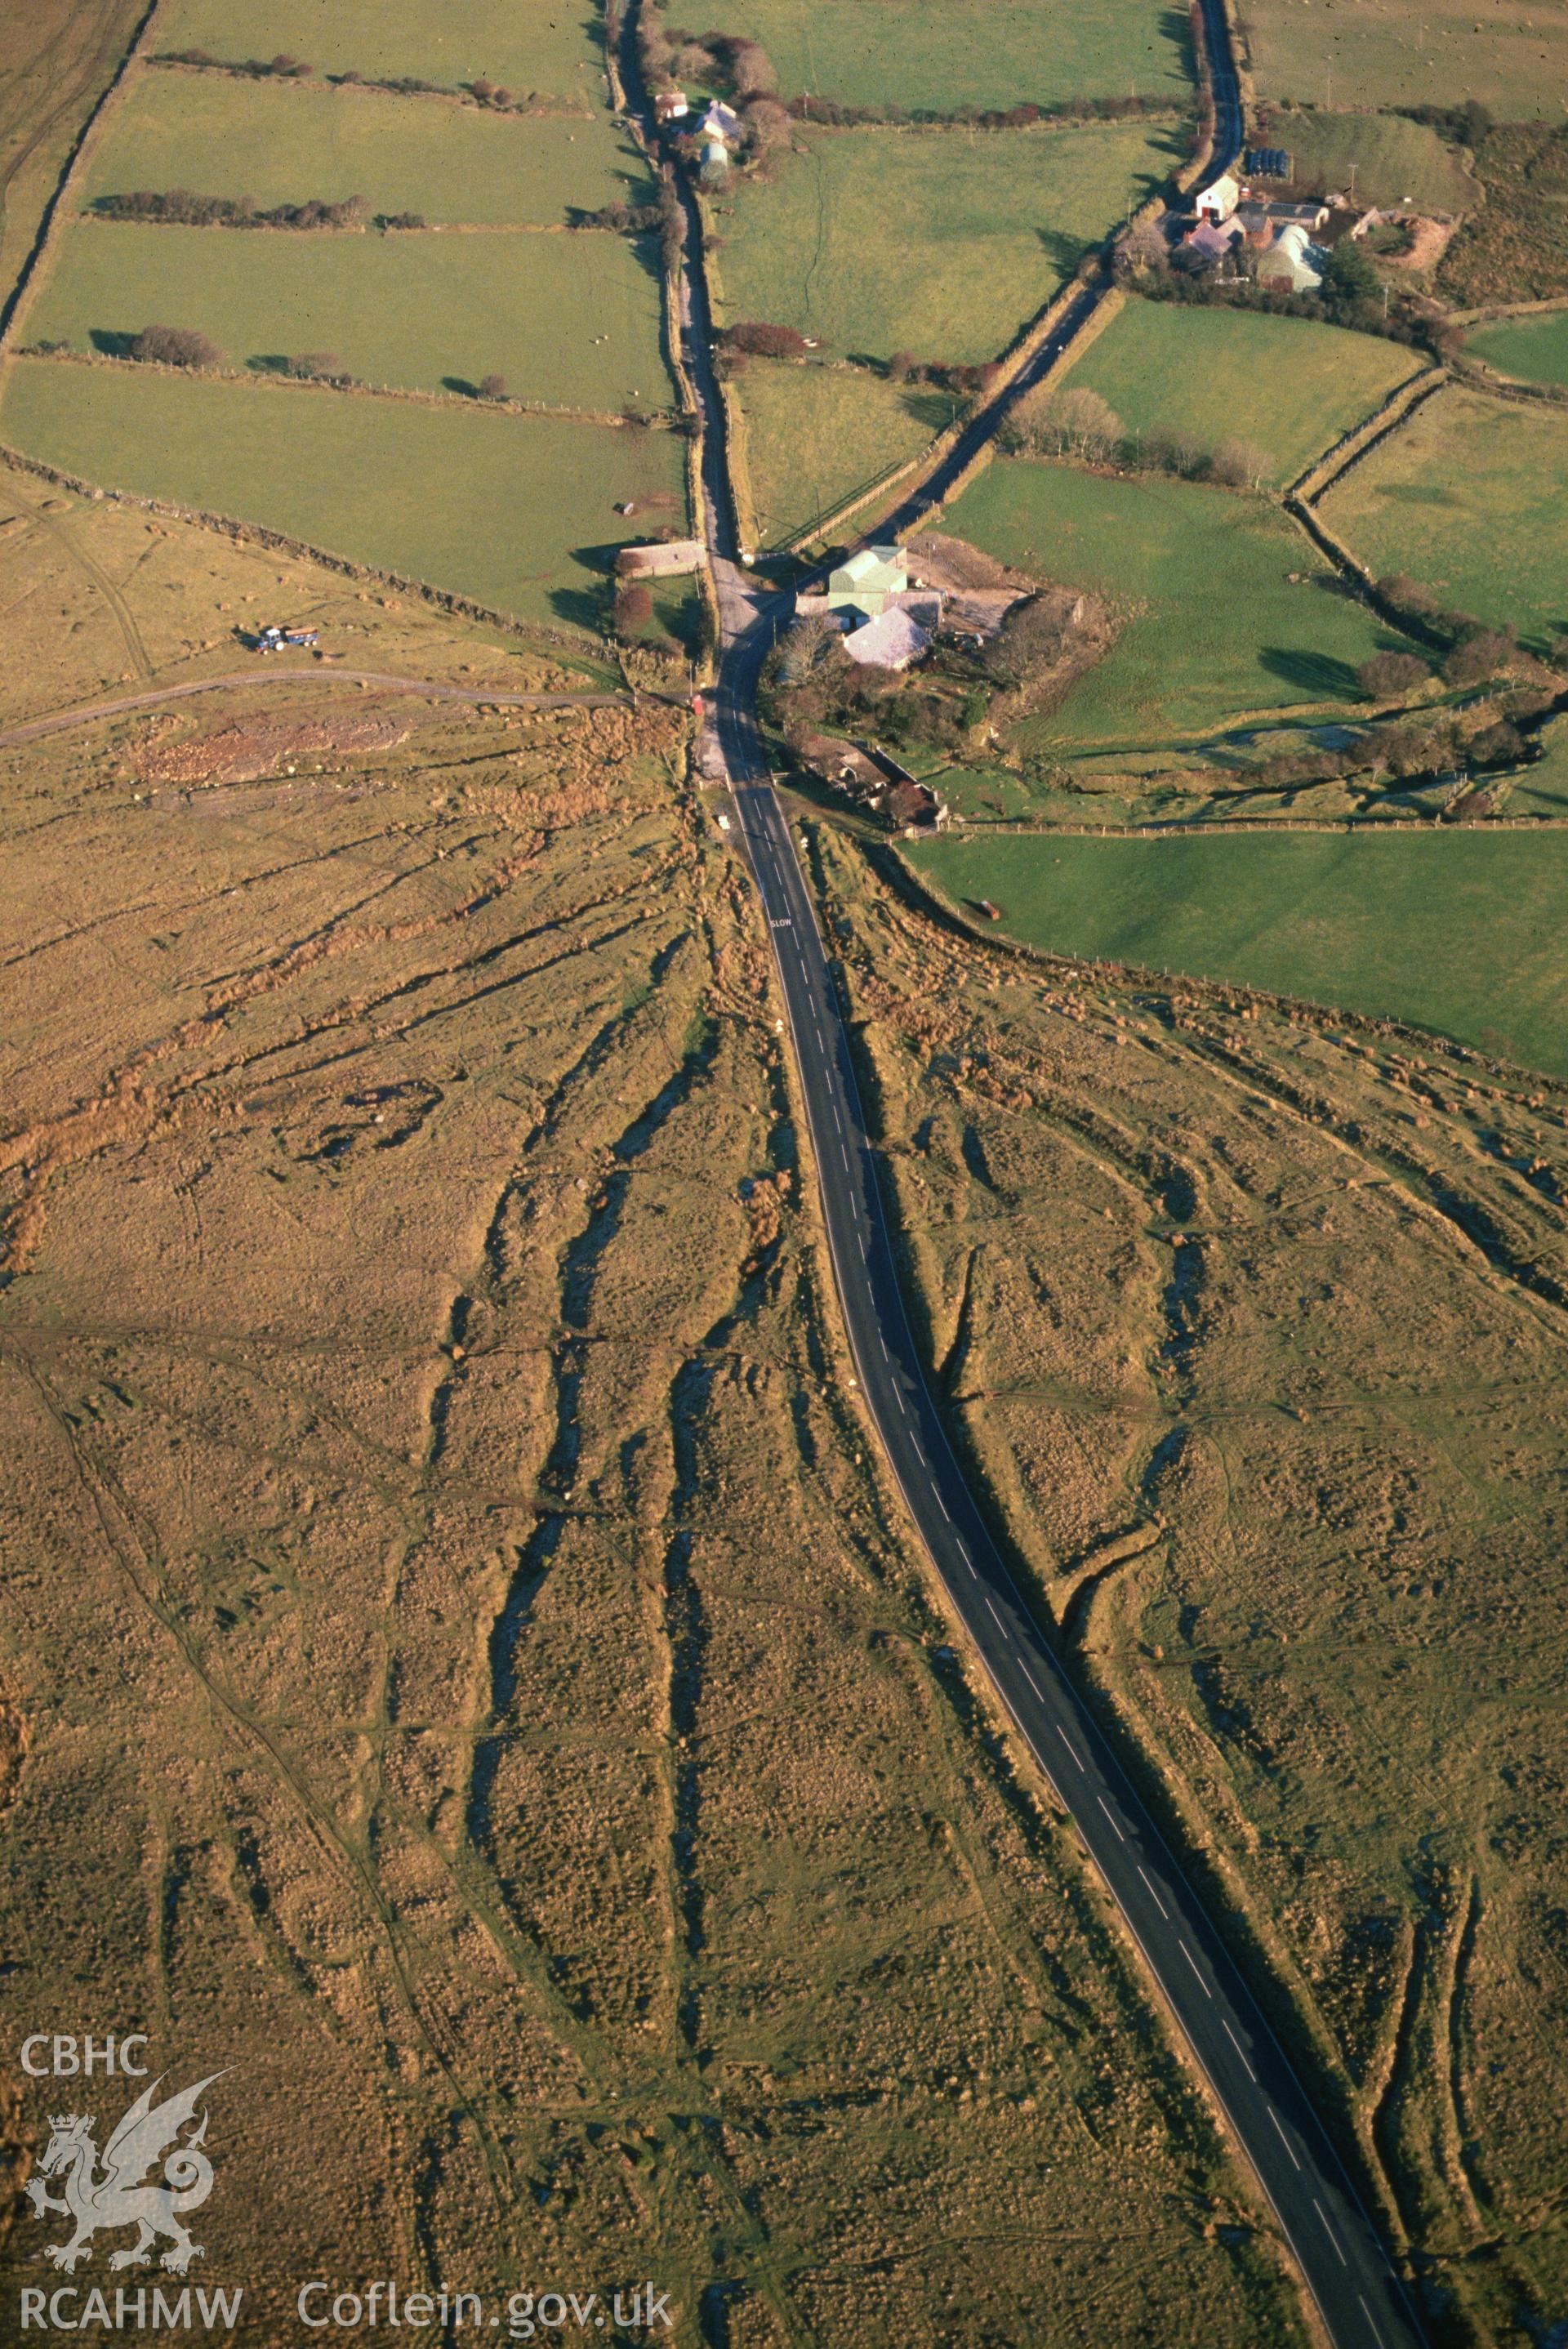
(433, 690)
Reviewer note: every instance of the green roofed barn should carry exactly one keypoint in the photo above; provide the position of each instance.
(869, 580)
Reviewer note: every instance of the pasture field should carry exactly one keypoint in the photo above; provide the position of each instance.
(829, 245)
(1542, 791)
(57, 57)
(815, 435)
(685, 1897)
(1281, 1446)
(1394, 160)
(552, 51)
(1288, 384)
(984, 53)
(1535, 348)
(1471, 498)
(1458, 930)
(1387, 53)
(1214, 625)
(570, 320)
(285, 142)
(516, 512)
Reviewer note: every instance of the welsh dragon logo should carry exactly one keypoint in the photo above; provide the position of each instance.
(116, 2194)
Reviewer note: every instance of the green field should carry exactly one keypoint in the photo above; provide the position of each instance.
(1287, 384)
(517, 512)
(1514, 59)
(933, 241)
(986, 53)
(1394, 160)
(1470, 497)
(1536, 348)
(1214, 627)
(816, 435)
(283, 144)
(407, 310)
(530, 47)
(1457, 931)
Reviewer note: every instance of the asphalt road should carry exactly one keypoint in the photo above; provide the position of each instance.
(1335, 2247)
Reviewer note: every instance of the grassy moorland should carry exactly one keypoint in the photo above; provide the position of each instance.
(1225, 608)
(570, 320)
(1535, 348)
(1003, 218)
(1471, 496)
(1286, 385)
(1514, 59)
(440, 1301)
(284, 142)
(517, 512)
(1454, 930)
(552, 51)
(816, 435)
(985, 53)
(1278, 1300)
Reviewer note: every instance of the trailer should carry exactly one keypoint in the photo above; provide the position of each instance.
(274, 639)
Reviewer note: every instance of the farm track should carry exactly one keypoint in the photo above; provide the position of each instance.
(433, 688)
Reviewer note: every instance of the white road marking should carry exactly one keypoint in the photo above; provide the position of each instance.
(1192, 1961)
(1110, 1814)
(1072, 1749)
(1241, 2052)
(943, 1506)
(1328, 2231)
(995, 1617)
(1371, 2320)
(1029, 1676)
(1155, 1896)
(1285, 2141)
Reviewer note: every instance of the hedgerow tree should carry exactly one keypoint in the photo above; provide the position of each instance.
(180, 346)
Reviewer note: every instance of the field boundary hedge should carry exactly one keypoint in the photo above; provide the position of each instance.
(660, 420)
(1353, 445)
(454, 95)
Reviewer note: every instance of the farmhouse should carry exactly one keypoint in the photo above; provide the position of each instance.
(663, 560)
(722, 123)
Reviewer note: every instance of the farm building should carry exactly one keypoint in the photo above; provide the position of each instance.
(893, 639)
(670, 105)
(869, 581)
(1218, 201)
(1293, 259)
(663, 560)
